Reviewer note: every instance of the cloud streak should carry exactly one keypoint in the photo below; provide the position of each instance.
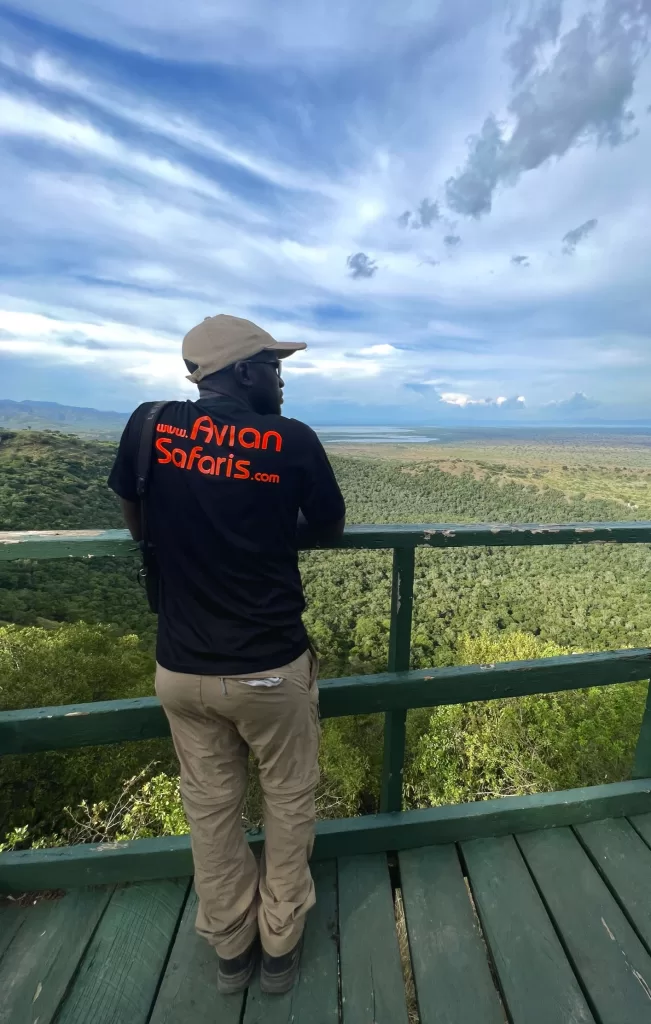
(572, 238)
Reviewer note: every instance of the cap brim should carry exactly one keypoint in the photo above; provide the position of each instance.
(286, 348)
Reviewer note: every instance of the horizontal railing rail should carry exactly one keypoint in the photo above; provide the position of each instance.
(171, 856)
(85, 543)
(391, 693)
(112, 721)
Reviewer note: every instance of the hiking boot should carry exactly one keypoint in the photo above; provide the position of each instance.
(279, 973)
(234, 975)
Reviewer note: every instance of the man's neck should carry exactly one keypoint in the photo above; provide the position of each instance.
(206, 391)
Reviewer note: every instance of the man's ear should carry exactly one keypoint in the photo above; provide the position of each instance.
(242, 374)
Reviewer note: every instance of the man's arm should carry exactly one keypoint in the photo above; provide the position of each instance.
(322, 514)
(131, 513)
(315, 535)
(122, 478)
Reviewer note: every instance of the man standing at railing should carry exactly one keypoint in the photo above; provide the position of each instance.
(234, 489)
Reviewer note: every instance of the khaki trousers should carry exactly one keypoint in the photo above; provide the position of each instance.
(215, 721)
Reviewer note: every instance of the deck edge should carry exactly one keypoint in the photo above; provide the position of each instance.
(170, 856)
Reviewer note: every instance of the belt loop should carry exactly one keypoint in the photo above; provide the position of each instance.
(224, 687)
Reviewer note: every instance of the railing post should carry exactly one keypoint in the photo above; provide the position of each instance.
(642, 762)
(402, 602)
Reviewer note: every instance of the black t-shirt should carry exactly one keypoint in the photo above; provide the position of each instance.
(224, 493)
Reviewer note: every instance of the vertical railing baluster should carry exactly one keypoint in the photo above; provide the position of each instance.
(642, 763)
(402, 602)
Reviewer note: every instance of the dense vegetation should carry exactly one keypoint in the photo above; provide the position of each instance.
(471, 605)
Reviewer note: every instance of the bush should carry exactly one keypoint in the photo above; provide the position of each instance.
(150, 804)
(146, 807)
(454, 754)
(68, 665)
(72, 664)
(82, 795)
(525, 744)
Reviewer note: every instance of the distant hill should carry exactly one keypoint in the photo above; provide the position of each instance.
(51, 480)
(69, 419)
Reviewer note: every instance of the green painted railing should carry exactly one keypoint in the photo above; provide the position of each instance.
(392, 693)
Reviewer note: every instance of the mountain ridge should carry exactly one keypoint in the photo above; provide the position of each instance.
(69, 419)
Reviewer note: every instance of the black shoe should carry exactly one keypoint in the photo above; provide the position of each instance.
(234, 975)
(279, 973)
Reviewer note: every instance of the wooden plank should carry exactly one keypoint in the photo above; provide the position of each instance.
(77, 725)
(624, 860)
(170, 856)
(315, 997)
(402, 603)
(62, 543)
(451, 972)
(188, 991)
(11, 919)
(372, 983)
(604, 950)
(119, 974)
(537, 981)
(40, 962)
(642, 763)
(642, 825)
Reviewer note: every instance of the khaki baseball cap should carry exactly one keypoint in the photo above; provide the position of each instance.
(221, 340)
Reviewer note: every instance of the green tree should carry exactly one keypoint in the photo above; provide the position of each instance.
(525, 744)
(72, 664)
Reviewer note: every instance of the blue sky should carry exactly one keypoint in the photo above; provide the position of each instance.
(450, 202)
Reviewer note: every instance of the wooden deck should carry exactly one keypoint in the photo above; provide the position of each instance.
(547, 927)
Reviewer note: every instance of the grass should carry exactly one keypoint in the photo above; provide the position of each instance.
(405, 959)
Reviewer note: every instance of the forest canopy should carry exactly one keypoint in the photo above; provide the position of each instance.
(79, 630)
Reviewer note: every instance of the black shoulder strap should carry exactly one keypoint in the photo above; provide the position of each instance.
(145, 446)
(144, 465)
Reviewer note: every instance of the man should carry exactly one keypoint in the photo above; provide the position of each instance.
(234, 490)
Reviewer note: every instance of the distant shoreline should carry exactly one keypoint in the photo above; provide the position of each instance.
(485, 436)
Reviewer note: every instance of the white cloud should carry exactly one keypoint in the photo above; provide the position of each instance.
(335, 367)
(379, 350)
(139, 196)
(463, 400)
(453, 398)
(37, 329)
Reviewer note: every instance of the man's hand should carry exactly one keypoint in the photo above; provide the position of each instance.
(131, 513)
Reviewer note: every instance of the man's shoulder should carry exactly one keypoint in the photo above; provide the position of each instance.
(141, 411)
(297, 436)
(296, 428)
(133, 428)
